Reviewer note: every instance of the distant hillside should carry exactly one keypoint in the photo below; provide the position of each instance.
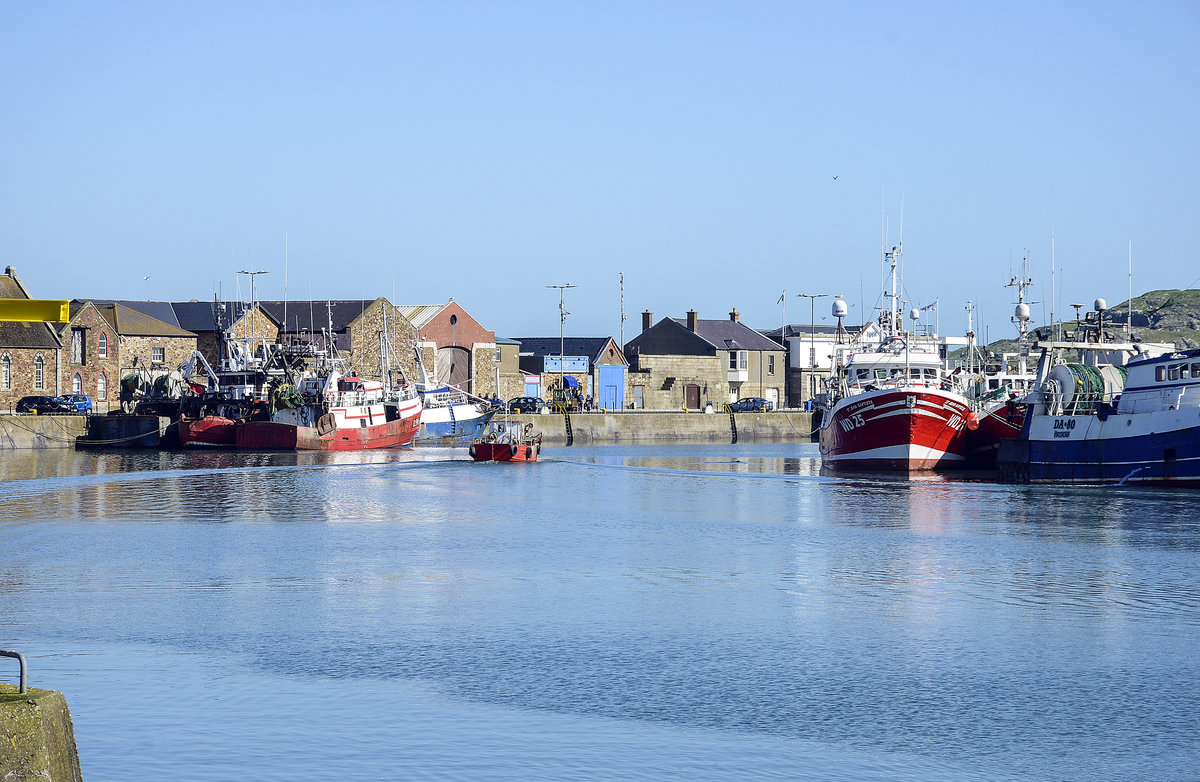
(1158, 316)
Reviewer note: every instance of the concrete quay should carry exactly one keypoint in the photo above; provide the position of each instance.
(641, 427)
(40, 431)
(661, 427)
(37, 738)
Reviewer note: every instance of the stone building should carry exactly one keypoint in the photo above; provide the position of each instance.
(688, 362)
(105, 340)
(368, 335)
(210, 321)
(455, 347)
(30, 353)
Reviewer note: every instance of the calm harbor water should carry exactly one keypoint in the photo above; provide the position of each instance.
(646, 613)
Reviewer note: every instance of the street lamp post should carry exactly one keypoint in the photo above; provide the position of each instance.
(812, 320)
(252, 275)
(562, 318)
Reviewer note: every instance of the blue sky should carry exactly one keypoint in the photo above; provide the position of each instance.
(482, 151)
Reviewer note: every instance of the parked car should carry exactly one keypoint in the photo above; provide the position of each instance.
(526, 404)
(751, 404)
(82, 402)
(44, 405)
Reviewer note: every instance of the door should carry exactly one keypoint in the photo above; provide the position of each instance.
(454, 366)
(611, 379)
(692, 393)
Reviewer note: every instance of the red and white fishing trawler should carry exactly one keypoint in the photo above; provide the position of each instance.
(337, 413)
(894, 408)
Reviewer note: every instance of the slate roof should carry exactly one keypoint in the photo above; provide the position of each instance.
(313, 316)
(129, 322)
(22, 334)
(730, 335)
(159, 310)
(592, 347)
(209, 315)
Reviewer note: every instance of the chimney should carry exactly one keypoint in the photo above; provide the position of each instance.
(733, 315)
(647, 319)
(691, 320)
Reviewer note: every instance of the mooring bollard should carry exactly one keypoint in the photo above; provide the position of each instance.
(20, 659)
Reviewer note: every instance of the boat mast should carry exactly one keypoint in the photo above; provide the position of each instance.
(1021, 314)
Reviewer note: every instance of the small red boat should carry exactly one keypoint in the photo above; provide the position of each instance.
(509, 445)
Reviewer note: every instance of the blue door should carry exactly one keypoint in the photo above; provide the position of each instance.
(612, 386)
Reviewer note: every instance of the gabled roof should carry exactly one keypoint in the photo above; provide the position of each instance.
(23, 334)
(420, 314)
(731, 335)
(592, 347)
(313, 316)
(159, 310)
(128, 322)
(211, 315)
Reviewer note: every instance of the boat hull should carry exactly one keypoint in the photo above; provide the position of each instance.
(505, 452)
(211, 431)
(276, 436)
(996, 423)
(1134, 448)
(457, 425)
(906, 429)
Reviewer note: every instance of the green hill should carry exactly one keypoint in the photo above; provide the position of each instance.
(1157, 316)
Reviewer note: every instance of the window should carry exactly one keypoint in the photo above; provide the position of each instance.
(1175, 371)
(732, 360)
(6, 372)
(812, 356)
(743, 359)
(1195, 370)
(158, 355)
(102, 347)
(77, 384)
(76, 346)
(1160, 373)
(453, 320)
(770, 365)
(39, 372)
(497, 355)
(102, 387)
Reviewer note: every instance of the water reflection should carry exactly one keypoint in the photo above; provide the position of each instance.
(730, 588)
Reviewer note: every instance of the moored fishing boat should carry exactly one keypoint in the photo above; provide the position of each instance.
(894, 408)
(332, 412)
(1109, 412)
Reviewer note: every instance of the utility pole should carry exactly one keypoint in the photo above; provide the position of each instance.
(812, 320)
(562, 318)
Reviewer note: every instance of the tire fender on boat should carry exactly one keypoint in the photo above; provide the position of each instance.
(471, 450)
(512, 449)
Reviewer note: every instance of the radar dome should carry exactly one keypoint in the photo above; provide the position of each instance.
(1101, 305)
(914, 313)
(840, 310)
(1022, 311)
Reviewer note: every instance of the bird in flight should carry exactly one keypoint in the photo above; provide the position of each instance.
(835, 177)
(148, 276)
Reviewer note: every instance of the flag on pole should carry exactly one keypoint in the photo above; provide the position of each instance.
(781, 297)
(929, 307)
